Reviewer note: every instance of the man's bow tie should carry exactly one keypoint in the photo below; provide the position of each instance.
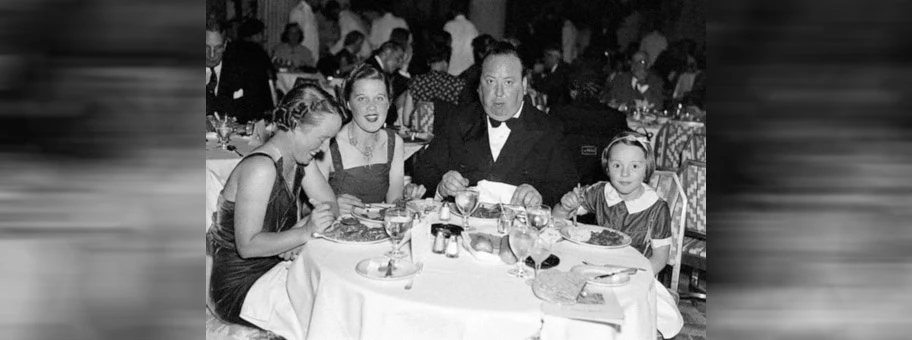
(510, 122)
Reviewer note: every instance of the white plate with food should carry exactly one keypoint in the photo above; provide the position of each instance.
(425, 206)
(593, 274)
(371, 212)
(487, 211)
(349, 230)
(594, 236)
(378, 268)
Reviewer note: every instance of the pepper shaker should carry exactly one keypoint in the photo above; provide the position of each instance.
(452, 249)
(440, 242)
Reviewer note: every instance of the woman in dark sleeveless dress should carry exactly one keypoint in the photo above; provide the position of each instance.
(258, 219)
(365, 162)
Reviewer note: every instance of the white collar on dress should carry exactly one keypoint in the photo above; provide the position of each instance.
(646, 200)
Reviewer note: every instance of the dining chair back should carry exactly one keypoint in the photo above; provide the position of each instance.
(668, 187)
(694, 149)
(693, 176)
(670, 142)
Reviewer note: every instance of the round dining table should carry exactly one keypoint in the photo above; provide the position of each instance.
(454, 298)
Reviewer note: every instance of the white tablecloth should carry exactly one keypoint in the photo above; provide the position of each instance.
(453, 298)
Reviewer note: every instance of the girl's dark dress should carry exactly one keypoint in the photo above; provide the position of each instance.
(232, 276)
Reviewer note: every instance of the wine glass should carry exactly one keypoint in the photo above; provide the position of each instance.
(541, 250)
(466, 202)
(224, 130)
(522, 238)
(397, 221)
(539, 216)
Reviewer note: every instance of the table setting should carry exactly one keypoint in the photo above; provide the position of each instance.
(427, 271)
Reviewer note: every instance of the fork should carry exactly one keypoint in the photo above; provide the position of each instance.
(412, 280)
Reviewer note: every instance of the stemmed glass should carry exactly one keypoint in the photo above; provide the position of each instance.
(466, 202)
(397, 221)
(522, 238)
(224, 129)
(541, 250)
(539, 216)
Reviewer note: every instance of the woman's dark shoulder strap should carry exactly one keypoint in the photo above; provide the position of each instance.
(391, 145)
(336, 155)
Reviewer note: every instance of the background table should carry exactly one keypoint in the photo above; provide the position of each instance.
(453, 298)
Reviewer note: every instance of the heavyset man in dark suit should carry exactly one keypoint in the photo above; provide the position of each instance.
(237, 83)
(525, 148)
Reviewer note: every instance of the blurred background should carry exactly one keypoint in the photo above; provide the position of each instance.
(101, 181)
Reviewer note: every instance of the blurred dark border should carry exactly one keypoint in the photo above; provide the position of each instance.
(101, 180)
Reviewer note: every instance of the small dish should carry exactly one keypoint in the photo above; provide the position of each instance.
(590, 272)
(375, 269)
(549, 262)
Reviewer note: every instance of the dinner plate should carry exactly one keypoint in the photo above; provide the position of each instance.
(371, 212)
(590, 272)
(426, 206)
(375, 269)
(487, 208)
(330, 237)
(581, 234)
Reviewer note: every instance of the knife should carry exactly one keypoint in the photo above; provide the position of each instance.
(389, 269)
(628, 271)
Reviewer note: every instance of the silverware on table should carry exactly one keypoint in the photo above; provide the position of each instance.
(612, 265)
(389, 269)
(628, 271)
(412, 280)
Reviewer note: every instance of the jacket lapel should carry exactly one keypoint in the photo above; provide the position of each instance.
(476, 142)
(519, 144)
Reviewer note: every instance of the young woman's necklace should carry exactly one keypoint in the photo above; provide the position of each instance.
(368, 150)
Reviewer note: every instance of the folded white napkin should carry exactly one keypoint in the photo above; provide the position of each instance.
(495, 192)
(268, 306)
(668, 318)
(421, 242)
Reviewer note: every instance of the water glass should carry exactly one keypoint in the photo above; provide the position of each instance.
(466, 202)
(224, 134)
(522, 238)
(539, 216)
(397, 222)
(505, 221)
(541, 250)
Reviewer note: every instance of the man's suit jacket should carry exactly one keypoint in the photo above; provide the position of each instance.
(623, 92)
(534, 154)
(556, 85)
(243, 89)
(399, 84)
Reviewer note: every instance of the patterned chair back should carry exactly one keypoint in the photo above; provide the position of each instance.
(694, 149)
(670, 142)
(422, 119)
(668, 187)
(693, 177)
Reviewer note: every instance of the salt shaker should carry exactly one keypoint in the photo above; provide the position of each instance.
(445, 212)
(452, 248)
(439, 242)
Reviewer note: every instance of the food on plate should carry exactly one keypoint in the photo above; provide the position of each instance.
(484, 245)
(605, 238)
(345, 231)
(506, 254)
(350, 221)
(486, 211)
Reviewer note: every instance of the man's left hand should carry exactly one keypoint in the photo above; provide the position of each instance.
(526, 195)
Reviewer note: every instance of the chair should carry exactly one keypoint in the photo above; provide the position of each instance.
(670, 142)
(694, 149)
(668, 187)
(693, 177)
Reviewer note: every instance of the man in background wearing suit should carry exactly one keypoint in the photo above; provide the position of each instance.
(236, 83)
(502, 139)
